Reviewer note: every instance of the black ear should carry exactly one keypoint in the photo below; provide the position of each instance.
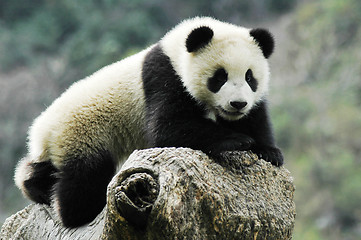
(264, 39)
(198, 38)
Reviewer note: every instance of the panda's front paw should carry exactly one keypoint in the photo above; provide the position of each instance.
(270, 154)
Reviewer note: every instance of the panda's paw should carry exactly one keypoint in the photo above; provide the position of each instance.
(270, 154)
(243, 143)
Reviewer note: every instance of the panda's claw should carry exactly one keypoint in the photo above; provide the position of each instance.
(270, 154)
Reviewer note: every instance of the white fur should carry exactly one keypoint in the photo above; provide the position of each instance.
(106, 109)
(23, 172)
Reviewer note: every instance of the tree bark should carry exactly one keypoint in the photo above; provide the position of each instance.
(179, 193)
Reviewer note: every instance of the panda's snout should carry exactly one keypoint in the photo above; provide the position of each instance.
(238, 105)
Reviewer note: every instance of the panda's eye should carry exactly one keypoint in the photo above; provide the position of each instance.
(252, 82)
(218, 79)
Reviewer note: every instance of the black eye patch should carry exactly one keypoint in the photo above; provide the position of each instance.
(252, 82)
(219, 78)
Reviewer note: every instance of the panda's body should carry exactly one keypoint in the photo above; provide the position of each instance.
(92, 112)
(202, 86)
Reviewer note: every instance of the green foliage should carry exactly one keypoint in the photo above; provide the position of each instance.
(319, 123)
(39, 31)
(13, 11)
(280, 6)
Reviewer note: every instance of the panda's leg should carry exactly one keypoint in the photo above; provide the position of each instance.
(35, 179)
(80, 193)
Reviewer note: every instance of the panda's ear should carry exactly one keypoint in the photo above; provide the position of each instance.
(199, 38)
(264, 39)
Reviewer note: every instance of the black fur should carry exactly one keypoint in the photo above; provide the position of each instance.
(81, 188)
(219, 78)
(264, 39)
(252, 82)
(175, 119)
(199, 38)
(40, 184)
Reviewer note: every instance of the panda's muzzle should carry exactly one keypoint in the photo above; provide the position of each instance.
(235, 109)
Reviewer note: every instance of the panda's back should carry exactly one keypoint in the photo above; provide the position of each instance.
(104, 110)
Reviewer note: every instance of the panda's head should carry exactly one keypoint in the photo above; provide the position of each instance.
(225, 67)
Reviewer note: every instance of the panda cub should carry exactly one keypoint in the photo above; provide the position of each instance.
(202, 86)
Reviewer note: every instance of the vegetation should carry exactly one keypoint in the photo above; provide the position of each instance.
(319, 124)
(46, 45)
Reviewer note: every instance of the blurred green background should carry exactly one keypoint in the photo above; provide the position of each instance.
(46, 45)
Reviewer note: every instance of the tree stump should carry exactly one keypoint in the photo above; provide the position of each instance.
(179, 193)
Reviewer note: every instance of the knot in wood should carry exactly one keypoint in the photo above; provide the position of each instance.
(135, 197)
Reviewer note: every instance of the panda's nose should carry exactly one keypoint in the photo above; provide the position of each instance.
(238, 105)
